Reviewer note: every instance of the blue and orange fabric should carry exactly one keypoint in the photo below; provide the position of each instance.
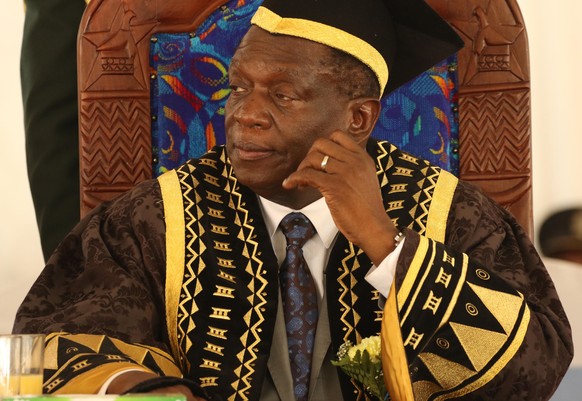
(190, 87)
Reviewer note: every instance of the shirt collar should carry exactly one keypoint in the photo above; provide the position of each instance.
(317, 212)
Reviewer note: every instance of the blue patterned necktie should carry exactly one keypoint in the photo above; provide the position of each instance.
(299, 301)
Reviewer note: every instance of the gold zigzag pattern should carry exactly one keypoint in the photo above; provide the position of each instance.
(495, 133)
(381, 156)
(234, 202)
(191, 274)
(345, 292)
(257, 287)
(425, 204)
(347, 297)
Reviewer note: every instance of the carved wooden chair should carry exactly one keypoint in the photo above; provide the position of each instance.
(134, 52)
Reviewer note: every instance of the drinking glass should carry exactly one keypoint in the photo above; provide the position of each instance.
(9, 365)
(21, 364)
(31, 363)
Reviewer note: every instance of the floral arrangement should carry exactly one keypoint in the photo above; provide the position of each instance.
(362, 362)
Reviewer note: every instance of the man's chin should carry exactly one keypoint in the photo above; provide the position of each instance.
(257, 179)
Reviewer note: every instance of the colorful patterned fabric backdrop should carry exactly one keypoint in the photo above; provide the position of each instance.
(190, 86)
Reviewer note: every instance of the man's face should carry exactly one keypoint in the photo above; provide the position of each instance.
(283, 98)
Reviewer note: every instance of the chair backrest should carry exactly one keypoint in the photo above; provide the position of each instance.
(152, 89)
(494, 101)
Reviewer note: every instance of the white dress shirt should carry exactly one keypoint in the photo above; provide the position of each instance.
(317, 249)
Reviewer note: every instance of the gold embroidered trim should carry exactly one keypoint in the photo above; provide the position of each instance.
(255, 319)
(396, 373)
(89, 377)
(175, 245)
(346, 297)
(91, 382)
(440, 206)
(413, 270)
(457, 292)
(326, 35)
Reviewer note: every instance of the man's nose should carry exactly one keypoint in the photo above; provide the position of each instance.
(252, 111)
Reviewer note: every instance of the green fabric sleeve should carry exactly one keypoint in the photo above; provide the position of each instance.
(49, 94)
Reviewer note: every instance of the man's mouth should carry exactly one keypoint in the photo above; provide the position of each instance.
(252, 151)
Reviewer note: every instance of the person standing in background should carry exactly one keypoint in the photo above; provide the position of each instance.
(48, 73)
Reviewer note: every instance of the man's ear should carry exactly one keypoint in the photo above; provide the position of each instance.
(364, 114)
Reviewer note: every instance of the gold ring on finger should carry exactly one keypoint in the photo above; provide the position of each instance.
(324, 163)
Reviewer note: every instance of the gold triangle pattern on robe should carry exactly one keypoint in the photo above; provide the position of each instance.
(80, 363)
(480, 326)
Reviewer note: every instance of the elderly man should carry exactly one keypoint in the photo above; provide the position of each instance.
(241, 273)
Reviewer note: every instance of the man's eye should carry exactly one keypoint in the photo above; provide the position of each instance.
(236, 88)
(282, 96)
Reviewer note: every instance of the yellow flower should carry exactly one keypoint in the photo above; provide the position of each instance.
(370, 344)
(363, 363)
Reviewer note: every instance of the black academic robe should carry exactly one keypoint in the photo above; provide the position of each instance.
(178, 276)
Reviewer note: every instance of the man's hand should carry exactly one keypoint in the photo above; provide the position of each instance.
(126, 381)
(350, 187)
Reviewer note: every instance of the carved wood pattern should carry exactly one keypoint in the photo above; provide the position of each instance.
(114, 85)
(493, 93)
(115, 147)
(494, 101)
(491, 122)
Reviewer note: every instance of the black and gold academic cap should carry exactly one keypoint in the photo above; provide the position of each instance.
(397, 39)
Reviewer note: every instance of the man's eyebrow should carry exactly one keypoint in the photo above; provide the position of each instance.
(294, 72)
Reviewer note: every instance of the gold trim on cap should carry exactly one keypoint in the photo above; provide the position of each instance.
(326, 35)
